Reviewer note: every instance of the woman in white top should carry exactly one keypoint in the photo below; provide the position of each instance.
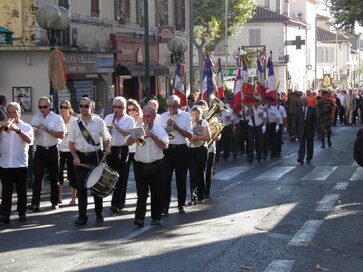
(65, 156)
(198, 153)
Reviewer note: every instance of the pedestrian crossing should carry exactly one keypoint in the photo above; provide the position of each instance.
(274, 173)
(320, 173)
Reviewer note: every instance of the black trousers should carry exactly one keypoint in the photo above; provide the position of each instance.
(9, 177)
(255, 142)
(126, 174)
(224, 143)
(45, 157)
(117, 161)
(147, 175)
(197, 167)
(176, 159)
(81, 175)
(209, 171)
(243, 128)
(309, 143)
(66, 158)
(279, 141)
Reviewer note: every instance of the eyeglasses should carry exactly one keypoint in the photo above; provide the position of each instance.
(117, 107)
(133, 109)
(42, 107)
(64, 107)
(83, 106)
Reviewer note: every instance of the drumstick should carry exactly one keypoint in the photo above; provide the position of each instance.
(103, 159)
(88, 166)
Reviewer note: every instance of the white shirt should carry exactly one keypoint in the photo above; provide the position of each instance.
(259, 114)
(192, 144)
(97, 129)
(125, 123)
(53, 122)
(150, 152)
(226, 117)
(13, 150)
(63, 146)
(272, 115)
(282, 112)
(183, 120)
(157, 120)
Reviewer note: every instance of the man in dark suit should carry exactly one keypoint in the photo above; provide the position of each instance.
(305, 122)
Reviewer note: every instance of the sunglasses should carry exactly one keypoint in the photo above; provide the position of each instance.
(83, 106)
(64, 107)
(133, 109)
(42, 107)
(117, 107)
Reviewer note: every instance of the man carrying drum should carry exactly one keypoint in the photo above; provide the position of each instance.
(85, 136)
(148, 168)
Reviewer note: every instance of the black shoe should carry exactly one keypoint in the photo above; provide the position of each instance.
(155, 222)
(115, 209)
(33, 208)
(100, 218)
(181, 210)
(54, 207)
(5, 219)
(164, 211)
(22, 217)
(308, 161)
(82, 220)
(30, 207)
(139, 223)
(323, 146)
(192, 202)
(329, 143)
(300, 161)
(207, 196)
(250, 160)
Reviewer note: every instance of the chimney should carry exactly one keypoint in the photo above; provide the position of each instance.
(286, 8)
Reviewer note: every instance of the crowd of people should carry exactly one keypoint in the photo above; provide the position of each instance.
(179, 140)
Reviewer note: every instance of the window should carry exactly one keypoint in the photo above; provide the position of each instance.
(179, 14)
(326, 54)
(95, 8)
(140, 12)
(278, 6)
(161, 14)
(255, 36)
(268, 4)
(122, 11)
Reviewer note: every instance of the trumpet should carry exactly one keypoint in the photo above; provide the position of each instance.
(5, 126)
(170, 131)
(141, 141)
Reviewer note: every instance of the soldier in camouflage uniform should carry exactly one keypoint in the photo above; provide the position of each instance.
(325, 107)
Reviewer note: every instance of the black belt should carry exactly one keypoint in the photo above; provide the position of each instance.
(46, 147)
(175, 145)
(87, 153)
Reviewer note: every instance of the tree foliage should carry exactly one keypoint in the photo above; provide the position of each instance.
(346, 13)
(209, 22)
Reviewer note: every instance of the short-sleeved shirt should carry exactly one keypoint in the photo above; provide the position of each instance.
(183, 120)
(125, 123)
(63, 146)
(259, 114)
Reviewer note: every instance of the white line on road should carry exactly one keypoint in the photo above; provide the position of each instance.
(288, 157)
(230, 172)
(274, 173)
(354, 163)
(234, 184)
(280, 266)
(305, 235)
(319, 173)
(327, 203)
(341, 186)
(358, 174)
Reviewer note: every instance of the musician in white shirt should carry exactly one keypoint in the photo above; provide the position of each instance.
(85, 136)
(273, 119)
(176, 155)
(148, 168)
(49, 129)
(119, 124)
(14, 147)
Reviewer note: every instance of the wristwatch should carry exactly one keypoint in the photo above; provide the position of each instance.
(18, 131)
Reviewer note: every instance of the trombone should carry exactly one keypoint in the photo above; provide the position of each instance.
(141, 141)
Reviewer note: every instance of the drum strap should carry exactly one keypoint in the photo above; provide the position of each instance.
(87, 136)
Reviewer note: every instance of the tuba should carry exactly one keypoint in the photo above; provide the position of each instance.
(215, 126)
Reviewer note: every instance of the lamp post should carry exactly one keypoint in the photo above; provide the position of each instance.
(53, 19)
(178, 46)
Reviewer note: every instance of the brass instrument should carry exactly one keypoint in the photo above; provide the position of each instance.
(170, 129)
(141, 141)
(5, 126)
(215, 126)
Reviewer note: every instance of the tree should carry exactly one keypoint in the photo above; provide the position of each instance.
(346, 13)
(209, 22)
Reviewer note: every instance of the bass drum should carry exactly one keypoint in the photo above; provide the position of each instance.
(101, 180)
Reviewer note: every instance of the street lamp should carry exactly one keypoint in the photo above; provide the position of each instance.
(53, 19)
(178, 46)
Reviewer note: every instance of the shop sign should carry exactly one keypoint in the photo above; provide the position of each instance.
(80, 63)
(6, 36)
(105, 63)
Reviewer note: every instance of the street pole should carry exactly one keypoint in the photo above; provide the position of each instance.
(316, 53)
(191, 33)
(147, 50)
(225, 34)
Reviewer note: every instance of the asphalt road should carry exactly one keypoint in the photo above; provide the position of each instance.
(277, 216)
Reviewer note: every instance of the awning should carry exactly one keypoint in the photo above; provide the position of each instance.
(138, 70)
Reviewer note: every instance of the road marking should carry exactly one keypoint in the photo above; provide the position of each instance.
(234, 184)
(319, 173)
(288, 157)
(274, 173)
(341, 186)
(358, 174)
(354, 163)
(134, 233)
(327, 203)
(230, 172)
(306, 234)
(280, 266)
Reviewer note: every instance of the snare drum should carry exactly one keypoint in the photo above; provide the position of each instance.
(101, 180)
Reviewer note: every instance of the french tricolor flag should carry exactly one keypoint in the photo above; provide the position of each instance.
(179, 88)
(261, 89)
(237, 90)
(271, 82)
(208, 85)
